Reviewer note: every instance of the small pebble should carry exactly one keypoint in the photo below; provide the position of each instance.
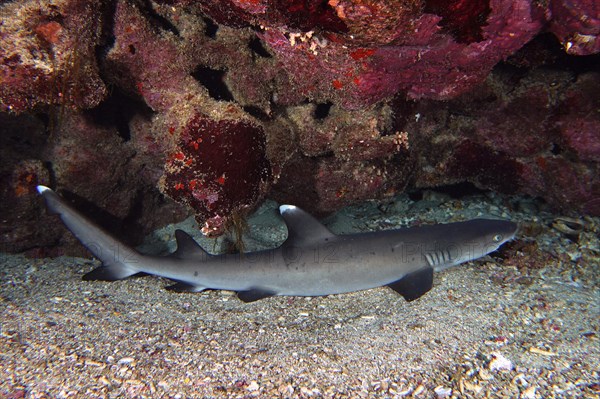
(419, 390)
(539, 351)
(499, 362)
(253, 386)
(443, 392)
(528, 393)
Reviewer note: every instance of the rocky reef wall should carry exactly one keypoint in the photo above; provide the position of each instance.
(152, 110)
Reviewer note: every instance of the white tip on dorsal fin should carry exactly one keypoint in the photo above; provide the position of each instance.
(303, 228)
(187, 247)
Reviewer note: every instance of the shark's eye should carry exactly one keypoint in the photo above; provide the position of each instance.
(497, 238)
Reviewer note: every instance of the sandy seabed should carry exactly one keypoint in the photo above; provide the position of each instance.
(523, 323)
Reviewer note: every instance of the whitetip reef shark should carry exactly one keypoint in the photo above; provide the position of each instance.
(311, 262)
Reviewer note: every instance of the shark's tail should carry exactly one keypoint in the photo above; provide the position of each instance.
(118, 260)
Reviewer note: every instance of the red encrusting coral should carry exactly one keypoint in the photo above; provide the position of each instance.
(218, 167)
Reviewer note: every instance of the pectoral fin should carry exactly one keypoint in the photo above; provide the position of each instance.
(414, 285)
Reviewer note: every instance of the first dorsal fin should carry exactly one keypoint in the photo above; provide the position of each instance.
(187, 247)
(303, 228)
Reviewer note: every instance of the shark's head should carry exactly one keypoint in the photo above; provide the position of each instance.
(497, 232)
(476, 238)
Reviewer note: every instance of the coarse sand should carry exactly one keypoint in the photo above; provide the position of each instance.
(521, 323)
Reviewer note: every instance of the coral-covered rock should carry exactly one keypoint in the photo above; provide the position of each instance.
(439, 53)
(86, 152)
(218, 167)
(579, 120)
(538, 137)
(571, 187)
(345, 157)
(214, 154)
(141, 61)
(48, 54)
(577, 25)
(569, 178)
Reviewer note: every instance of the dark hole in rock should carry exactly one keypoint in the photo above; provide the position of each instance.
(212, 79)
(556, 149)
(257, 112)
(308, 15)
(22, 137)
(117, 111)
(460, 190)
(210, 28)
(322, 110)
(107, 37)
(404, 112)
(560, 59)
(545, 50)
(485, 167)
(257, 47)
(416, 195)
(132, 49)
(44, 118)
(158, 20)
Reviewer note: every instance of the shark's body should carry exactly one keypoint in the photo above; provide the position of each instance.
(311, 262)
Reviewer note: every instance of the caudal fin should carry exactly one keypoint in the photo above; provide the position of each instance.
(118, 260)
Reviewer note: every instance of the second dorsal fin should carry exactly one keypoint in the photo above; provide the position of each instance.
(303, 228)
(187, 247)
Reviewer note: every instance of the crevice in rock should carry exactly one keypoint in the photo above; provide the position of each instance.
(322, 110)
(457, 191)
(156, 19)
(117, 111)
(213, 81)
(258, 48)
(257, 112)
(210, 28)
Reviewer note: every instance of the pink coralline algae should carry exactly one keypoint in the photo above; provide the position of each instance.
(439, 54)
(541, 140)
(576, 23)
